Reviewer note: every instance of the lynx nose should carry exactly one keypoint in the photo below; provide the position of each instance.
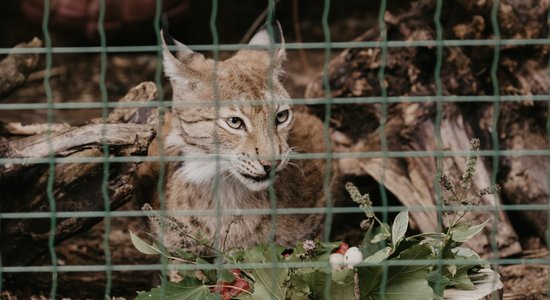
(268, 165)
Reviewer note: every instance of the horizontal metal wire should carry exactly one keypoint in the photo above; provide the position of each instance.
(296, 156)
(277, 211)
(267, 265)
(297, 101)
(290, 46)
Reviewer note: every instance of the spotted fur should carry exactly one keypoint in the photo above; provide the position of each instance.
(231, 168)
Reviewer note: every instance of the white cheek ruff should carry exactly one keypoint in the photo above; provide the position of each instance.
(199, 171)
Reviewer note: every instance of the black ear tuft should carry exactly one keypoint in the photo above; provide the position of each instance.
(168, 39)
(277, 31)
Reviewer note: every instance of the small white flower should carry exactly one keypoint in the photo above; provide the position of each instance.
(353, 257)
(336, 261)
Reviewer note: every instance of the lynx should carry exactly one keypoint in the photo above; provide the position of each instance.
(236, 118)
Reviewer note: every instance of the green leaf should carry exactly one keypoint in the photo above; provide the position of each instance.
(463, 233)
(402, 282)
(299, 284)
(462, 281)
(379, 256)
(317, 282)
(483, 289)
(399, 227)
(209, 274)
(438, 282)
(466, 253)
(269, 282)
(416, 252)
(382, 236)
(189, 288)
(366, 246)
(342, 291)
(298, 287)
(344, 276)
(184, 254)
(261, 291)
(225, 275)
(476, 277)
(142, 246)
(298, 297)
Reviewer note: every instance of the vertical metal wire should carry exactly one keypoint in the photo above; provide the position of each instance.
(271, 189)
(216, 98)
(51, 156)
(106, 167)
(160, 139)
(326, 121)
(437, 126)
(494, 128)
(326, 134)
(494, 132)
(383, 119)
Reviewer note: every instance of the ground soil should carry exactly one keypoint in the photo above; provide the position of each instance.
(76, 78)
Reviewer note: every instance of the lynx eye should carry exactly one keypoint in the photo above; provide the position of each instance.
(282, 116)
(235, 122)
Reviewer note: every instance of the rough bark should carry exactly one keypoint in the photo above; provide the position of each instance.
(411, 126)
(74, 186)
(16, 67)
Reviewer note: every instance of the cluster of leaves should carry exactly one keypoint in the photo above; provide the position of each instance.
(273, 279)
(394, 266)
(401, 267)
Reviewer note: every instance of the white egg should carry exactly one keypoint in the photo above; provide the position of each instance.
(353, 257)
(336, 261)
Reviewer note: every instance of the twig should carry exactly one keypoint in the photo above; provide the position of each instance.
(39, 75)
(227, 233)
(174, 225)
(228, 287)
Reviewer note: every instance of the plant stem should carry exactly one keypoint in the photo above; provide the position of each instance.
(228, 286)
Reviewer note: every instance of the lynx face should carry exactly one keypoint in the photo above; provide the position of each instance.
(213, 114)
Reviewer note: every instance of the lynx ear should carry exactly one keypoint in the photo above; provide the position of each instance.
(177, 67)
(265, 39)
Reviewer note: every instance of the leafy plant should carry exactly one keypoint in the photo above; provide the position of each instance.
(392, 264)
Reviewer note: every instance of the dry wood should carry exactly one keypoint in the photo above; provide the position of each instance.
(15, 68)
(412, 126)
(76, 187)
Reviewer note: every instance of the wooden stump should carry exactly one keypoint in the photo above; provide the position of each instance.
(412, 126)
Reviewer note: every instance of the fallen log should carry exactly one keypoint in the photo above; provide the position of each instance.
(29, 187)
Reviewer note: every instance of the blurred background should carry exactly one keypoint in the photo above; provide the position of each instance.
(75, 76)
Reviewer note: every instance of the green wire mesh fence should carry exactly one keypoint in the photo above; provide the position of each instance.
(325, 104)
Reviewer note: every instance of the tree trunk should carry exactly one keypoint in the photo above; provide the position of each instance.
(411, 126)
